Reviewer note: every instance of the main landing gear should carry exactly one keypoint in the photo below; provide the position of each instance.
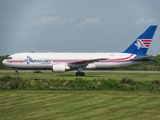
(80, 72)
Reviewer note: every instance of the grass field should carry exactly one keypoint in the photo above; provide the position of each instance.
(135, 75)
(80, 105)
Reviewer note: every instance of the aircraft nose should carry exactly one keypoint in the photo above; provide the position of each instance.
(4, 62)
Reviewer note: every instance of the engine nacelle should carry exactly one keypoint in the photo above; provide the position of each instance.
(58, 68)
(91, 66)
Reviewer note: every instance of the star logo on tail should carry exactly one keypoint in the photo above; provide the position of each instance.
(143, 43)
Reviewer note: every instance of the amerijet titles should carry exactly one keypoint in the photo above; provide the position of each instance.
(30, 60)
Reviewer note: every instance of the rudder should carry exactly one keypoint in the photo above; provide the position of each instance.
(142, 43)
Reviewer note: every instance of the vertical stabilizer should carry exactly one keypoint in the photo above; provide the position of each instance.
(142, 43)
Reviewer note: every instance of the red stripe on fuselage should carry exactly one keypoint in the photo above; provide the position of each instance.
(126, 58)
(15, 61)
(71, 60)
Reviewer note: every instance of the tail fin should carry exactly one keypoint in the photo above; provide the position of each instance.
(142, 43)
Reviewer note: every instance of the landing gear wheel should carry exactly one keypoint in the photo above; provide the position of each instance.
(80, 74)
(16, 74)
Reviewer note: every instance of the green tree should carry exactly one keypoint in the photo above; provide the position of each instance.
(3, 67)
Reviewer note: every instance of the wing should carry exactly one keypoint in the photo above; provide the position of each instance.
(84, 63)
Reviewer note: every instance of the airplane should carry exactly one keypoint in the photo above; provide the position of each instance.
(62, 62)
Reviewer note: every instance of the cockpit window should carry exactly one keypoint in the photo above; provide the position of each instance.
(9, 57)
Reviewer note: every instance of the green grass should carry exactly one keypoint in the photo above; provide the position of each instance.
(142, 76)
(78, 105)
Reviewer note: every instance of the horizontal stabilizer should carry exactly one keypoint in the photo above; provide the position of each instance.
(146, 58)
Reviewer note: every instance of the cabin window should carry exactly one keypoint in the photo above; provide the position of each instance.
(9, 57)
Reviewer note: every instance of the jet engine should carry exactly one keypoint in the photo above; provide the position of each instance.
(58, 68)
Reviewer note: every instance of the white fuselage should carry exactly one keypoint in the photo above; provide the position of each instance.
(47, 60)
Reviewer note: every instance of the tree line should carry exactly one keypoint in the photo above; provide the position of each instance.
(150, 66)
(3, 67)
(153, 65)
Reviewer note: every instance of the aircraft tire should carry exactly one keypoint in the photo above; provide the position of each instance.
(82, 74)
(16, 74)
(78, 74)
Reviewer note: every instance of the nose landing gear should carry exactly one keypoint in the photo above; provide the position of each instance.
(16, 72)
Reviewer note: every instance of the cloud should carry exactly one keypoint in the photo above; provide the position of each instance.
(72, 19)
(90, 22)
(47, 20)
(142, 21)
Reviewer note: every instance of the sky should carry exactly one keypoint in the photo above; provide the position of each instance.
(76, 25)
